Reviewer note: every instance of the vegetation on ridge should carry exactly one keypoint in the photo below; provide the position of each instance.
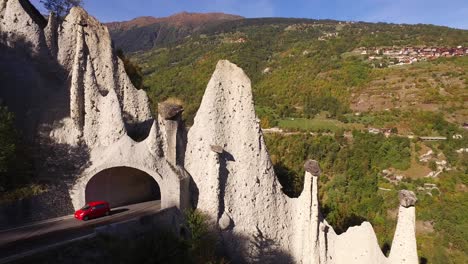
(15, 166)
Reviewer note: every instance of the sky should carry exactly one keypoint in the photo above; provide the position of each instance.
(452, 13)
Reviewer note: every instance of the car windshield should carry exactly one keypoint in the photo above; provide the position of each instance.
(86, 207)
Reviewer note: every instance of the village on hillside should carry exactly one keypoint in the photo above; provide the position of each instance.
(395, 56)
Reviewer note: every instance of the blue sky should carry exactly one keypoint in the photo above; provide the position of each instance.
(452, 13)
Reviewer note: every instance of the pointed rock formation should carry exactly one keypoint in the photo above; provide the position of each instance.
(239, 182)
(51, 34)
(85, 49)
(357, 245)
(173, 132)
(404, 248)
(20, 20)
(92, 109)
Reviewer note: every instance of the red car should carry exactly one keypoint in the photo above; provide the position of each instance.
(93, 210)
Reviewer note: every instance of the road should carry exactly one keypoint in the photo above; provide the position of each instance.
(36, 235)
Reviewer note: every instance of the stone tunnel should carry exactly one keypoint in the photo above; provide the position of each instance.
(122, 186)
(128, 171)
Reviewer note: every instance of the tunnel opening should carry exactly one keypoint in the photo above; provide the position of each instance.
(122, 186)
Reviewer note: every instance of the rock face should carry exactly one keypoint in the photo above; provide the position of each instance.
(239, 182)
(93, 129)
(404, 248)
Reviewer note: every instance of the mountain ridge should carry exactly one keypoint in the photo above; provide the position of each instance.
(144, 33)
(178, 19)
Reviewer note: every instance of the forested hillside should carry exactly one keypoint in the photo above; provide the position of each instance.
(144, 33)
(290, 65)
(337, 97)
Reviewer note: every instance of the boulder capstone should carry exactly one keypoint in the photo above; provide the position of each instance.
(169, 110)
(313, 167)
(407, 198)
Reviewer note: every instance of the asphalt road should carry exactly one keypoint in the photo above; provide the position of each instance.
(35, 235)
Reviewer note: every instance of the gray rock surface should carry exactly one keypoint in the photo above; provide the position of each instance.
(407, 198)
(241, 181)
(168, 110)
(313, 167)
(404, 247)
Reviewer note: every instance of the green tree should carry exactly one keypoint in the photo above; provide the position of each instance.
(133, 70)
(15, 160)
(60, 7)
(7, 144)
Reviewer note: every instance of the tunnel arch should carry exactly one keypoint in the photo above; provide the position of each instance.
(122, 185)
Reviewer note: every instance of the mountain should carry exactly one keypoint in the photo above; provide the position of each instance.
(136, 22)
(144, 33)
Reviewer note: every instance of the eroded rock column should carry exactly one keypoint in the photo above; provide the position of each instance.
(77, 84)
(170, 121)
(307, 240)
(173, 136)
(51, 34)
(404, 248)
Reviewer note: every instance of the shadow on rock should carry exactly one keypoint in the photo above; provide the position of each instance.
(257, 249)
